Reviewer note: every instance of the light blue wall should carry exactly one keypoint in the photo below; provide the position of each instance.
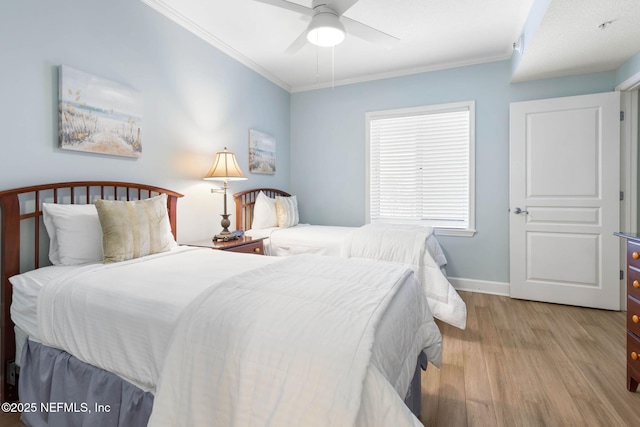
(328, 149)
(196, 101)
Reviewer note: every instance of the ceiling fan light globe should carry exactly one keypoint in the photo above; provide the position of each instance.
(325, 29)
(325, 37)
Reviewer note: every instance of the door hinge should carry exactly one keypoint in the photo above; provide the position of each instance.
(621, 274)
(621, 116)
(622, 195)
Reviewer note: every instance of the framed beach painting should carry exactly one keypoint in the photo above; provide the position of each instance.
(262, 152)
(98, 115)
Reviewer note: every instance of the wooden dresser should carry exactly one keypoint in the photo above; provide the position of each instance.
(633, 310)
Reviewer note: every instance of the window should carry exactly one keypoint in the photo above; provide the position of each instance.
(420, 167)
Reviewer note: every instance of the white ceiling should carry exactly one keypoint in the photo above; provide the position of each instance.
(434, 34)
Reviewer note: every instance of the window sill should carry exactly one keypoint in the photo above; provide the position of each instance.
(454, 232)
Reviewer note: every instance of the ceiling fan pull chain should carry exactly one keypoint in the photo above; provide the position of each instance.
(333, 67)
(317, 63)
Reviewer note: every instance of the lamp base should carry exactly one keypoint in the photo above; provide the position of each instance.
(225, 235)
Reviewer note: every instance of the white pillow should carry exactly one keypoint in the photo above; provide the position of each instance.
(75, 234)
(264, 212)
(287, 211)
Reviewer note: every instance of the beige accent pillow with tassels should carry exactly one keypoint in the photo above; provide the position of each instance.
(134, 229)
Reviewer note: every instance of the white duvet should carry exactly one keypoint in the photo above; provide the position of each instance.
(302, 239)
(407, 245)
(320, 240)
(120, 317)
(286, 345)
(414, 246)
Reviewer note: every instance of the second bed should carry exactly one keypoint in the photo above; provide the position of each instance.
(272, 214)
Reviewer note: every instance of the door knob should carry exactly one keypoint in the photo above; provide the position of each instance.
(520, 211)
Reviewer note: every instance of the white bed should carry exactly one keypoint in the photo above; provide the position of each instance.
(259, 220)
(142, 313)
(120, 317)
(272, 215)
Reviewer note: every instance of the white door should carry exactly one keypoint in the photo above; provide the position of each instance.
(565, 200)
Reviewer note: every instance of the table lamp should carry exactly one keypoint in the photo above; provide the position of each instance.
(225, 168)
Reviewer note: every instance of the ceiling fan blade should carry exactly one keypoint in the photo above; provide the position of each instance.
(368, 33)
(341, 6)
(297, 44)
(289, 6)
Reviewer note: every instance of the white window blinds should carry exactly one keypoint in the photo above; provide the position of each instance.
(420, 166)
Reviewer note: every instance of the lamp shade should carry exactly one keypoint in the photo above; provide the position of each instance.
(225, 168)
(325, 29)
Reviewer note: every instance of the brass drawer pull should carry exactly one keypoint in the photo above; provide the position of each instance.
(636, 284)
(256, 250)
(634, 355)
(635, 318)
(635, 255)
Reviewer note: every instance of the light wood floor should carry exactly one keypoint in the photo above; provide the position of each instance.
(522, 363)
(10, 420)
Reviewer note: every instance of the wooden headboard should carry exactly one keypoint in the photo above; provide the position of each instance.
(21, 212)
(245, 201)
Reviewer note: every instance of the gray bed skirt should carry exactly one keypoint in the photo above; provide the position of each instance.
(414, 395)
(58, 390)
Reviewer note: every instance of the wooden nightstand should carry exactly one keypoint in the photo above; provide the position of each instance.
(243, 244)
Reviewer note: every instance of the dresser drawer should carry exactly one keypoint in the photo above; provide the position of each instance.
(633, 315)
(633, 282)
(632, 247)
(633, 254)
(633, 353)
(250, 248)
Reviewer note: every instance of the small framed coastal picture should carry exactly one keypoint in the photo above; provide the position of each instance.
(262, 152)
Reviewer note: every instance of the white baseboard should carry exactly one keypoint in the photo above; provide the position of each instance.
(481, 286)
(502, 288)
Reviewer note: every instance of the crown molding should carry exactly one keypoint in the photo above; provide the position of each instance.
(399, 73)
(189, 25)
(631, 83)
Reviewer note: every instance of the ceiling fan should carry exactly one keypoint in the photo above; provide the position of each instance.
(328, 26)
